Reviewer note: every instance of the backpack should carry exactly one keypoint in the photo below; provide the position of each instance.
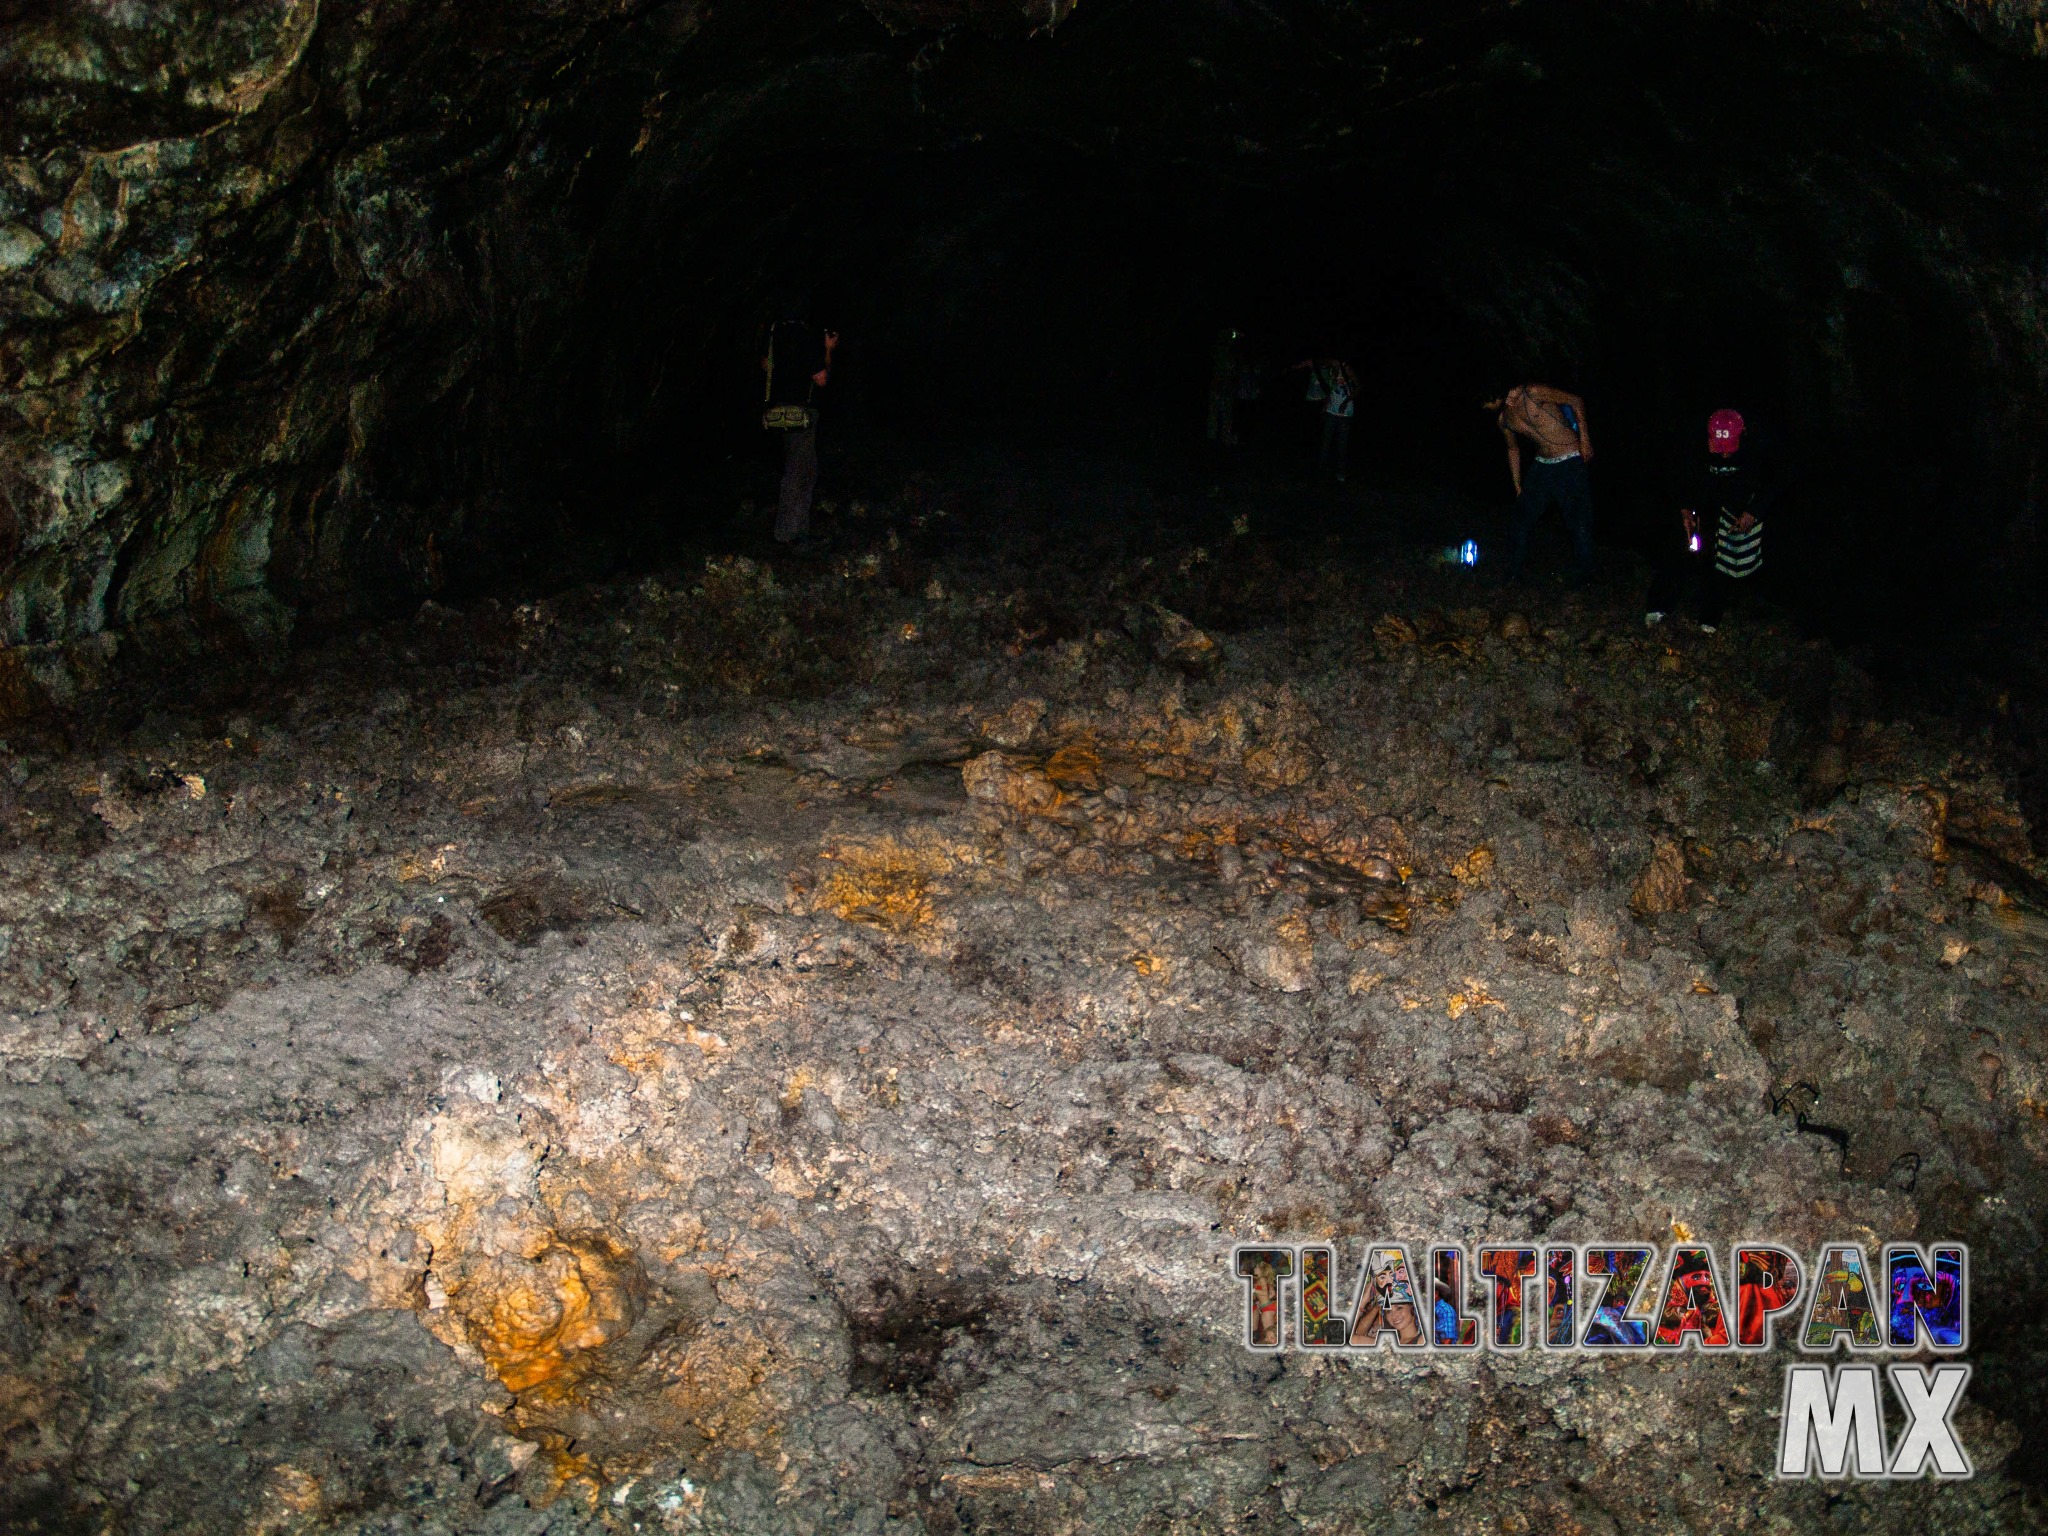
(786, 417)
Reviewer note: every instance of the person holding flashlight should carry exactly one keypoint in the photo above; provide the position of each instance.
(1722, 528)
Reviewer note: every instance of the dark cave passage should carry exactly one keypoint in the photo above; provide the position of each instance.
(1664, 217)
(1024, 236)
(529, 1004)
(473, 334)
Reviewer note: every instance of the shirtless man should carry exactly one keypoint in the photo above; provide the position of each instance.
(1554, 421)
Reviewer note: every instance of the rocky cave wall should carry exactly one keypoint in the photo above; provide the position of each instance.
(309, 307)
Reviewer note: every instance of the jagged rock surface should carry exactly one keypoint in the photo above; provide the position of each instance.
(791, 1052)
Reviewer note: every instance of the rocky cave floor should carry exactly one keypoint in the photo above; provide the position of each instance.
(789, 1046)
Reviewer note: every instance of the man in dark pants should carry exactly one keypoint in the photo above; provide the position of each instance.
(798, 363)
(1554, 421)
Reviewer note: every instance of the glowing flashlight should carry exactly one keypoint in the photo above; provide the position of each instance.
(1693, 543)
(1468, 552)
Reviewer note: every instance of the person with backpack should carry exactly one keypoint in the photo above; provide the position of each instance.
(797, 363)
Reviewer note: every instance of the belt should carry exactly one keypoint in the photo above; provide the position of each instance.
(1562, 458)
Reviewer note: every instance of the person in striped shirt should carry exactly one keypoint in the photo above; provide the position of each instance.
(1724, 529)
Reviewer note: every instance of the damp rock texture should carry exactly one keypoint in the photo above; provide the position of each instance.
(791, 1050)
(276, 278)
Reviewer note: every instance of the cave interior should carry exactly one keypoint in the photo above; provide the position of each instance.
(328, 329)
(494, 285)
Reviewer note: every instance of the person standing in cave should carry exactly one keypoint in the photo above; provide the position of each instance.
(1728, 492)
(1554, 421)
(797, 362)
(1333, 385)
(1340, 405)
(1224, 369)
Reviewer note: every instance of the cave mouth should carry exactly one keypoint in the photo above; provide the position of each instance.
(544, 1003)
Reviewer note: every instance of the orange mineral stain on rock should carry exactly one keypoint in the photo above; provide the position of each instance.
(1077, 765)
(1475, 995)
(884, 882)
(1663, 885)
(533, 1319)
(1475, 867)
